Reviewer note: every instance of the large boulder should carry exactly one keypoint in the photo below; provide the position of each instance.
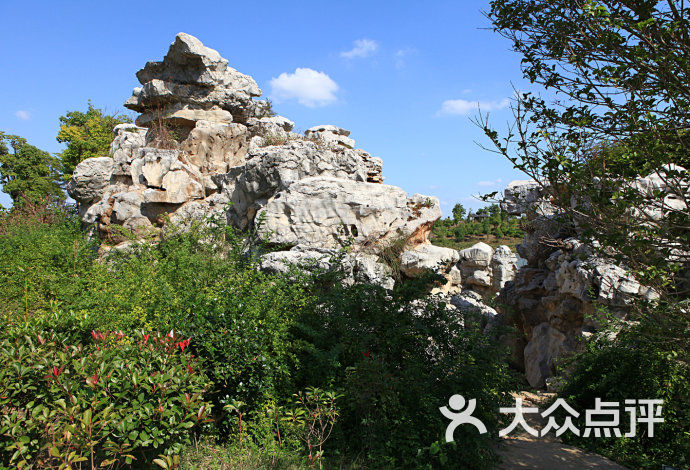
(90, 179)
(203, 146)
(542, 352)
(330, 135)
(503, 267)
(330, 212)
(427, 257)
(356, 266)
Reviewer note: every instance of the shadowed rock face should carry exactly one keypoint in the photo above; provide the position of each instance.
(553, 299)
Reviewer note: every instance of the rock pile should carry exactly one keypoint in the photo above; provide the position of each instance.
(204, 145)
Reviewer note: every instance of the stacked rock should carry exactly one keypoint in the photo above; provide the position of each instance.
(204, 145)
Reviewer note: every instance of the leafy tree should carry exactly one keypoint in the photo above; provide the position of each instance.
(87, 135)
(618, 106)
(620, 71)
(26, 172)
(458, 212)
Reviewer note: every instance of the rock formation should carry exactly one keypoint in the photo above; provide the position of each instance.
(553, 299)
(203, 144)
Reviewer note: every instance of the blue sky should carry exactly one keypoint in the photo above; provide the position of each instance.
(404, 77)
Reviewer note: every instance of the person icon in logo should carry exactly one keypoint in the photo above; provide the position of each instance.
(457, 403)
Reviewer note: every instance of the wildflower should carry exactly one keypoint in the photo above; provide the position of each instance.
(366, 353)
(146, 338)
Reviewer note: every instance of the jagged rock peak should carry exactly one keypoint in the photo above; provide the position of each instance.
(193, 82)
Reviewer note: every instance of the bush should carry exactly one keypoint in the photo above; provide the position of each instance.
(260, 339)
(396, 361)
(45, 260)
(113, 401)
(634, 367)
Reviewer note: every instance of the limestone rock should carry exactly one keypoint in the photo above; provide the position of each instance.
(128, 140)
(503, 267)
(193, 82)
(426, 257)
(365, 267)
(300, 257)
(541, 353)
(523, 196)
(214, 148)
(166, 176)
(358, 267)
(271, 169)
(330, 135)
(470, 302)
(327, 211)
(478, 255)
(206, 144)
(90, 179)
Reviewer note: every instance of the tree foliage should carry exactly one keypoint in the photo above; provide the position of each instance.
(87, 134)
(459, 212)
(616, 77)
(27, 172)
(615, 108)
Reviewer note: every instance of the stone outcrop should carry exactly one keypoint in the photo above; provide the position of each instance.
(357, 266)
(554, 298)
(203, 145)
(192, 83)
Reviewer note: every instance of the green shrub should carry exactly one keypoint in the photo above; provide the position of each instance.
(396, 361)
(116, 400)
(260, 339)
(45, 260)
(632, 367)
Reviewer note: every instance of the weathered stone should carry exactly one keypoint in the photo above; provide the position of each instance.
(542, 352)
(125, 146)
(166, 177)
(470, 302)
(503, 267)
(214, 148)
(90, 179)
(330, 135)
(326, 212)
(269, 170)
(478, 255)
(523, 196)
(193, 82)
(426, 257)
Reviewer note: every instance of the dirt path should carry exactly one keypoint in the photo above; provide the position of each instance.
(521, 450)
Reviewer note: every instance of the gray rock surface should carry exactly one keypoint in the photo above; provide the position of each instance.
(90, 179)
(427, 257)
(328, 212)
(193, 82)
(204, 146)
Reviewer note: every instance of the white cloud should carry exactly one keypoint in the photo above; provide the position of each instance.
(23, 115)
(307, 86)
(362, 48)
(401, 55)
(490, 183)
(461, 106)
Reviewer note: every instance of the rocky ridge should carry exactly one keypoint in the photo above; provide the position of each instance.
(203, 145)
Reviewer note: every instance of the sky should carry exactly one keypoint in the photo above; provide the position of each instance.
(405, 77)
